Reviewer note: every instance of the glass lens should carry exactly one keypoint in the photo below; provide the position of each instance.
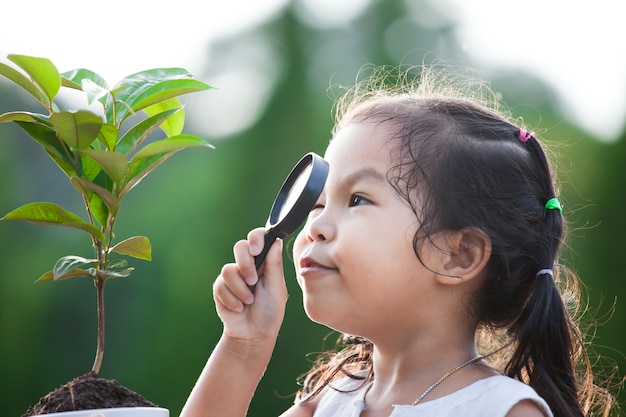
(295, 191)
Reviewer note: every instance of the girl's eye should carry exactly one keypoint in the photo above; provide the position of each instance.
(316, 210)
(357, 200)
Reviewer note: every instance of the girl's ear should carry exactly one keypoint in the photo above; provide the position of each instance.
(467, 252)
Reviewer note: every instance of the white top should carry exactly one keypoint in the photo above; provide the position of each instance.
(489, 397)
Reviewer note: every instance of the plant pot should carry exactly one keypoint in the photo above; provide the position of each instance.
(116, 412)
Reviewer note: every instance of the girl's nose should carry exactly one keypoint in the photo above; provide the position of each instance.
(319, 228)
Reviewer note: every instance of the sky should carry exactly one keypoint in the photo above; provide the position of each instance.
(575, 46)
(160, 36)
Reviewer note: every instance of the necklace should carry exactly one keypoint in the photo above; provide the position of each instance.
(447, 374)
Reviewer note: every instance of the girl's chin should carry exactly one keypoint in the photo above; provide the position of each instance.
(325, 318)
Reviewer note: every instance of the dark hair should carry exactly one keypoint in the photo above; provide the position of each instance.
(464, 158)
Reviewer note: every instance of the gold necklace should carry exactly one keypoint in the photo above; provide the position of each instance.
(440, 380)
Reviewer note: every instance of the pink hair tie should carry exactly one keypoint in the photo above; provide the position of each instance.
(524, 135)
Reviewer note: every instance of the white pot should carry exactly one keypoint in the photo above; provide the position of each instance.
(116, 412)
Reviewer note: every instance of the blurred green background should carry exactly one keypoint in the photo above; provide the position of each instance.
(161, 323)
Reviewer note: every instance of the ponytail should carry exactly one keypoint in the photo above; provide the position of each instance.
(545, 344)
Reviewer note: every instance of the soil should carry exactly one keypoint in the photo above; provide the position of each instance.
(87, 392)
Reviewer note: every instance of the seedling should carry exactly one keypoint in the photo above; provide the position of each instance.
(102, 157)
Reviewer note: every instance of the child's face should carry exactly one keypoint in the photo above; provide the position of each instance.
(354, 257)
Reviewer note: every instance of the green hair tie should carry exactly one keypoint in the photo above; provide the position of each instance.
(553, 204)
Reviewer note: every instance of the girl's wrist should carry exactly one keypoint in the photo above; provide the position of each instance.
(248, 349)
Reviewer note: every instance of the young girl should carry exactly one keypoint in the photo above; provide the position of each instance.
(433, 249)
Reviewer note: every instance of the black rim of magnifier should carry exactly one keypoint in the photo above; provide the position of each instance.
(280, 228)
(305, 201)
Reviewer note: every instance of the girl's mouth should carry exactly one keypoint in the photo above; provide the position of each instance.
(310, 265)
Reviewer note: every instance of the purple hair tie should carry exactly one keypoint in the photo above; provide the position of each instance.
(524, 135)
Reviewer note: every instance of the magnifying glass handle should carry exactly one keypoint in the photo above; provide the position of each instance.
(270, 238)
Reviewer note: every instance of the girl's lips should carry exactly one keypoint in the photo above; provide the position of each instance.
(308, 264)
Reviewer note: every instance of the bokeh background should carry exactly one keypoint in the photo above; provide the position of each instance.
(272, 65)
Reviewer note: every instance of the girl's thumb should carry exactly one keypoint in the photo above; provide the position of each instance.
(273, 273)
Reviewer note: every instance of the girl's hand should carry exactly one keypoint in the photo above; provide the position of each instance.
(252, 305)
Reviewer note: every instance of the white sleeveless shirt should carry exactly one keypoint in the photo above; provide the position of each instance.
(489, 397)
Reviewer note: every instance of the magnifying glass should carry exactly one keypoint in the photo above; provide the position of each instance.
(295, 200)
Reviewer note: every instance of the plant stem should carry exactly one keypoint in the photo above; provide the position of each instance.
(99, 283)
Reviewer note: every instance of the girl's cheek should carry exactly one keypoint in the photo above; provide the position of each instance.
(299, 244)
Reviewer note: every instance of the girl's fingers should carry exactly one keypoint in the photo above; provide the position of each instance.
(244, 259)
(231, 289)
(273, 274)
(224, 298)
(256, 239)
(245, 251)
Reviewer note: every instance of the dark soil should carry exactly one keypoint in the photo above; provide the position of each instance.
(87, 392)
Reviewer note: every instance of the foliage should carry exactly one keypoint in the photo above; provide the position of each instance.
(102, 159)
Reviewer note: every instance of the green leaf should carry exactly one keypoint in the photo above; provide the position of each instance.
(166, 90)
(102, 179)
(145, 88)
(174, 125)
(47, 138)
(117, 264)
(137, 247)
(23, 81)
(73, 266)
(87, 188)
(94, 86)
(48, 276)
(93, 91)
(115, 268)
(50, 214)
(113, 163)
(108, 136)
(173, 144)
(76, 273)
(75, 78)
(99, 210)
(151, 156)
(77, 129)
(88, 168)
(142, 130)
(42, 71)
(108, 273)
(110, 113)
(24, 116)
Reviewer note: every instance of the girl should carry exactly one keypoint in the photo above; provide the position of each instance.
(433, 249)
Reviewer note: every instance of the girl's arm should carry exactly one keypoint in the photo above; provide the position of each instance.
(525, 408)
(252, 318)
(228, 380)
